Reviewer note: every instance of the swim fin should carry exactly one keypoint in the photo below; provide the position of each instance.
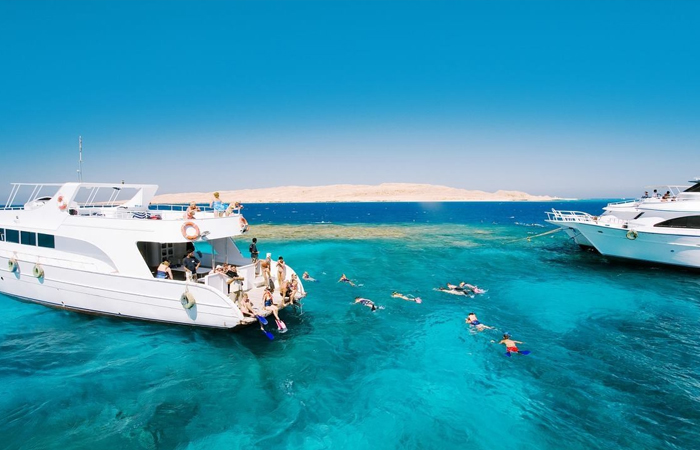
(524, 352)
(262, 320)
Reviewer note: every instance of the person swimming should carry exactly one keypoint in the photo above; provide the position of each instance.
(367, 302)
(345, 279)
(474, 321)
(406, 297)
(510, 345)
(307, 277)
(452, 291)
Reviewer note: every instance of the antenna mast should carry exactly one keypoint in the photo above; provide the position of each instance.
(80, 161)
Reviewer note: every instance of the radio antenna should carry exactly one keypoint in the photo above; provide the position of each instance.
(80, 161)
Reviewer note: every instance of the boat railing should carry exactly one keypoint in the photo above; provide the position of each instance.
(569, 216)
(36, 191)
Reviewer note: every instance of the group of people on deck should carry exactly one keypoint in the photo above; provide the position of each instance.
(219, 207)
(664, 198)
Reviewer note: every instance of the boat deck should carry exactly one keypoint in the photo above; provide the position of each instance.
(256, 298)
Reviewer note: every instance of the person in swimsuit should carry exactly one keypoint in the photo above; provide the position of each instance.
(163, 271)
(367, 302)
(191, 210)
(406, 297)
(510, 344)
(472, 320)
(217, 205)
(345, 279)
(268, 304)
(265, 265)
(307, 277)
(450, 290)
(246, 306)
(281, 272)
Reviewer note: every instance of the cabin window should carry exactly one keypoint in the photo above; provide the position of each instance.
(638, 216)
(694, 188)
(2, 234)
(12, 236)
(28, 238)
(681, 222)
(46, 240)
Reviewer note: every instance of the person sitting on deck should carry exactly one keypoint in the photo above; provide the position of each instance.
(246, 306)
(191, 210)
(290, 289)
(345, 279)
(164, 271)
(268, 303)
(472, 320)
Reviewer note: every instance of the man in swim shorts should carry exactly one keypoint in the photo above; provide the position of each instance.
(510, 344)
(472, 320)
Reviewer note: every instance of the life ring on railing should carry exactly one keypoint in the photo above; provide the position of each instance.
(187, 300)
(62, 205)
(12, 265)
(38, 271)
(631, 235)
(190, 230)
(244, 224)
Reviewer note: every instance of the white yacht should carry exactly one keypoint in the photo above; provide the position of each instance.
(94, 248)
(656, 229)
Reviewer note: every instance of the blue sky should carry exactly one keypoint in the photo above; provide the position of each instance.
(582, 99)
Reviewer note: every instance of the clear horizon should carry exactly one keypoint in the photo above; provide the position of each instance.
(567, 99)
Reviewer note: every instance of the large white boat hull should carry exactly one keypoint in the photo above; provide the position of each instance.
(644, 245)
(120, 296)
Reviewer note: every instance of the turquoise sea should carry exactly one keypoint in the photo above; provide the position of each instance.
(614, 363)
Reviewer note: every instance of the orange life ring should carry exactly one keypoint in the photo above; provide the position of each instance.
(190, 230)
(61, 204)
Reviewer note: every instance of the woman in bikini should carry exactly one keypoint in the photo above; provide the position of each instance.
(281, 272)
(268, 305)
(163, 271)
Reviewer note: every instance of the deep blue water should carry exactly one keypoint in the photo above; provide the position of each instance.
(614, 363)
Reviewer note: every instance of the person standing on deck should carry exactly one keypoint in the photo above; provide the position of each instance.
(281, 272)
(191, 264)
(265, 266)
(253, 249)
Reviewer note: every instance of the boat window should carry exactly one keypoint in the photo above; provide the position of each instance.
(638, 216)
(681, 222)
(46, 240)
(2, 234)
(28, 238)
(12, 236)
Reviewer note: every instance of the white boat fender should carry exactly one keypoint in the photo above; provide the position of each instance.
(631, 235)
(187, 300)
(12, 265)
(38, 271)
(190, 230)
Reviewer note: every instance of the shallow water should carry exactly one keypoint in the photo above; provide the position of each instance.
(613, 361)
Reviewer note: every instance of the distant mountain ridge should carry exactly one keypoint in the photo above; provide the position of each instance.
(385, 192)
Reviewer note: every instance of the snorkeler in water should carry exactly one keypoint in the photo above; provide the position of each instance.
(511, 347)
(410, 298)
(473, 321)
(307, 277)
(345, 279)
(367, 302)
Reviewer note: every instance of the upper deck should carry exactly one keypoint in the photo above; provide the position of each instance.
(106, 206)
